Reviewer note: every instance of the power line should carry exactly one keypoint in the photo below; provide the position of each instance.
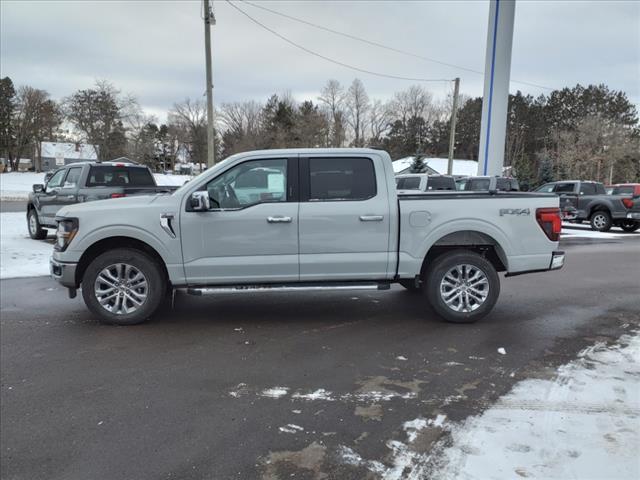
(328, 59)
(380, 45)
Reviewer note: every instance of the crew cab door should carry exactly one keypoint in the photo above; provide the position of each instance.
(48, 199)
(68, 193)
(250, 235)
(344, 218)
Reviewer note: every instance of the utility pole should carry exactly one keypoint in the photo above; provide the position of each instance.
(209, 19)
(452, 134)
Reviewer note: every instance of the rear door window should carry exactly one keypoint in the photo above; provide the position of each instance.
(408, 183)
(564, 188)
(332, 179)
(72, 178)
(113, 176)
(441, 183)
(587, 189)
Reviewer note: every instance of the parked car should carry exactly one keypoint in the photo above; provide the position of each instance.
(486, 183)
(587, 200)
(85, 182)
(424, 182)
(632, 189)
(326, 218)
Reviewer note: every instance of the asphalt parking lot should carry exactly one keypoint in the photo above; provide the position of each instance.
(212, 388)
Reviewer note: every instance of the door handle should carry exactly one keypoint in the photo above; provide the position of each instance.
(371, 218)
(279, 219)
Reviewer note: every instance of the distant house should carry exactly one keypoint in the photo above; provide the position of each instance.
(437, 165)
(56, 154)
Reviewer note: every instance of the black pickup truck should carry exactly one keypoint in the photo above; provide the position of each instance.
(582, 200)
(85, 182)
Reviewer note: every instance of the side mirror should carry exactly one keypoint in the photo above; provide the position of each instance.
(199, 201)
(38, 188)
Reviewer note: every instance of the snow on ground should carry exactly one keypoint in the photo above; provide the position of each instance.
(573, 230)
(20, 256)
(584, 423)
(17, 185)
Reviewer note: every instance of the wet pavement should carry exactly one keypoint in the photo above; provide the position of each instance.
(276, 385)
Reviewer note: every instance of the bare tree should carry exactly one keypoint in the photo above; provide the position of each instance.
(101, 115)
(36, 119)
(333, 99)
(357, 108)
(415, 102)
(188, 120)
(379, 120)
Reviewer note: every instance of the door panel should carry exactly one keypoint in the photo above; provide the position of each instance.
(245, 241)
(344, 230)
(48, 200)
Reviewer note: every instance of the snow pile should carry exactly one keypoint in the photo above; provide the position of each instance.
(17, 185)
(20, 256)
(583, 424)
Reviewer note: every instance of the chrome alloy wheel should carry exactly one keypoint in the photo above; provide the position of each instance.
(121, 288)
(464, 288)
(599, 220)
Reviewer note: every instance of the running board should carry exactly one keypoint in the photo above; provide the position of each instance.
(295, 287)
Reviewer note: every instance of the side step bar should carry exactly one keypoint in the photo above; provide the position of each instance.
(292, 287)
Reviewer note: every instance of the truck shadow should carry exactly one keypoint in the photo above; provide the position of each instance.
(295, 307)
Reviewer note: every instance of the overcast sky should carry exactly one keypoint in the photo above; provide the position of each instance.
(155, 49)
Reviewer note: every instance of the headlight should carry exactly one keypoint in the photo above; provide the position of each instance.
(67, 229)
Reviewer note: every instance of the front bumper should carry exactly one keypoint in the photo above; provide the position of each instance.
(633, 215)
(65, 273)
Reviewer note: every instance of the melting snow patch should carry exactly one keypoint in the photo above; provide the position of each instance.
(402, 357)
(320, 394)
(583, 424)
(502, 351)
(275, 392)
(453, 364)
(291, 428)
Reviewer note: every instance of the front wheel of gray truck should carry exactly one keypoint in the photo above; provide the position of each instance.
(462, 286)
(123, 286)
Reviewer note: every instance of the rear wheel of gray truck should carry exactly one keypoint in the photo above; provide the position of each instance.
(123, 286)
(462, 286)
(601, 221)
(33, 224)
(630, 226)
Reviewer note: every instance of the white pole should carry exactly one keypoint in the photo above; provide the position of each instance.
(495, 100)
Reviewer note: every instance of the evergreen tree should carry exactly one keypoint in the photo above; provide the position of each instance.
(7, 107)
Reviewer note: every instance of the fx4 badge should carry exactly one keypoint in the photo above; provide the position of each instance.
(514, 211)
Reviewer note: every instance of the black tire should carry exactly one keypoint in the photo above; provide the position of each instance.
(629, 226)
(33, 225)
(442, 266)
(410, 285)
(601, 221)
(155, 281)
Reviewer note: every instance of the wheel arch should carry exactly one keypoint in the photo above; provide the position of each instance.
(111, 243)
(472, 240)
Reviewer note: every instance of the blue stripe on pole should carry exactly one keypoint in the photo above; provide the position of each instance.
(493, 64)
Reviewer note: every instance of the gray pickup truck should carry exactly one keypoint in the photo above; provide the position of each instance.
(583, 200)
(85, 182)
(301, 218)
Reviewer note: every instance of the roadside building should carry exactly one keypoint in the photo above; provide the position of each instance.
(58, 154)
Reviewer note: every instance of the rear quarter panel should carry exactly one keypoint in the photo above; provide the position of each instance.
(522, 245)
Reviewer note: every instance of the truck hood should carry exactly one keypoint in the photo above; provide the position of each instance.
(124, 204)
